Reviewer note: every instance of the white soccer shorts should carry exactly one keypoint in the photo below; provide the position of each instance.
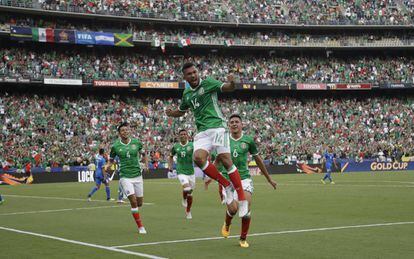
(213, 139)
(132, 186)
(187, 179)
(247, 185)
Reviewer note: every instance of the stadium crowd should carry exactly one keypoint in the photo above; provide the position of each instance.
(95, 64)
(61, 130)
(390, 12)
(219, 36)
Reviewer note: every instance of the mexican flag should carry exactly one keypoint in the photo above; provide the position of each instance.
(228, 43)
(184, 43)
(43, 35)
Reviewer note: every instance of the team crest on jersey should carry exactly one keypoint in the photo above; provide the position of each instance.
(243, 145)
(188, 148)
(201, 91)
(134, 146)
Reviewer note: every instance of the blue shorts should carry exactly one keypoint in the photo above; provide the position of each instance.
(100, 180)
(328, 169)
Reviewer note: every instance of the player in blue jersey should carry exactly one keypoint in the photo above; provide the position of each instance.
(1, 200)
(329, 160)
(100, 176)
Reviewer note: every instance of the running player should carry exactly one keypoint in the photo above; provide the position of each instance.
(1, 200)
(329, 159)
(241, 145)
(201, 98)
(185, 169)
(100, 176)
(128, 151)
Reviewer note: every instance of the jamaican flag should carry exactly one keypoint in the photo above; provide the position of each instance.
(123, 40)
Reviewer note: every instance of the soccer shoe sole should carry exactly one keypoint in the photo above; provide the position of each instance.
(244, 244)
(224, 232)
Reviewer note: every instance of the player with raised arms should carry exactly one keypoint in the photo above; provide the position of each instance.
(213, 135)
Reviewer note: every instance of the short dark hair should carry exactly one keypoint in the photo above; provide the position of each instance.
(187, 65)
(234, 115)
(123, 124)
(181, 130)
(101, 151)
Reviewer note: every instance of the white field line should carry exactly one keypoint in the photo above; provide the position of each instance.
(314, 183)
(60, 198)
(82, 243)
(268, 233)
(60, 210)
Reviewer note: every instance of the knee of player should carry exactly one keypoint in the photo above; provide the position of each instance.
(200, 160)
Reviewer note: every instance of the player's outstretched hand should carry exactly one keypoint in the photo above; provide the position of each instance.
(273, 184)
(169, 112)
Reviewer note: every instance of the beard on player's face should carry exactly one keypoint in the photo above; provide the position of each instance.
(191, 76)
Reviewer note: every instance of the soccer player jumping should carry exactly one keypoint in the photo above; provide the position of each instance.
(185, 169)
(201, 99)
(128, 151)
(241, 145)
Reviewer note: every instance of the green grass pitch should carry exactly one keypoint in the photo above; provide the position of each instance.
(301, 219)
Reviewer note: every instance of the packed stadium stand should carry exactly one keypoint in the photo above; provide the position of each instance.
(278, 50)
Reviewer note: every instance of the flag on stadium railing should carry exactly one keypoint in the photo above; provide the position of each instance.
(43, 35)
(64, 36)
(184, 43)
(104, 38)
(21, 33)
(228, 43)
(156, 42)
(123, 40)
(85, 38)
(162, 45)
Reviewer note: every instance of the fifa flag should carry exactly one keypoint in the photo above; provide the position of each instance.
(123, 40)
(104, 38)
(84, 38)
(21, 33)
(43, 35)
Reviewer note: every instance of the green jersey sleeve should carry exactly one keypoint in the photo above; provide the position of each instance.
(184, 104)
(253, 147)
(112, 154)
(173, 152)
(212, 85)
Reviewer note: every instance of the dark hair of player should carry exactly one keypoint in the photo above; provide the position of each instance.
(235, 116)
(181, 130)
(101, 151)
(123, 124)
(187, 65)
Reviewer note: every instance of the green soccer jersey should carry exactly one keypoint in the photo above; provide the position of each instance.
(240, 149)
(204, 104)
(129, 156)
(184, 155)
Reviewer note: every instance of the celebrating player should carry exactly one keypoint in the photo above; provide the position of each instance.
(329, 160)
(185, 169)
(128, 151)
(201, 98)
(241, 145)
(100, 176)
